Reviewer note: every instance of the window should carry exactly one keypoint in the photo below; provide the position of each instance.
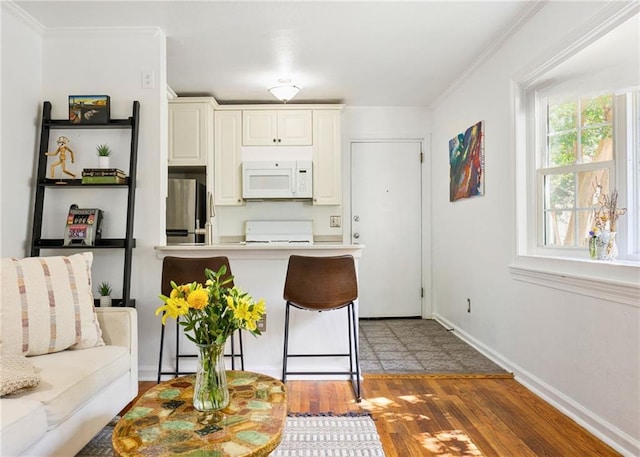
(583, 144)
(577, 155)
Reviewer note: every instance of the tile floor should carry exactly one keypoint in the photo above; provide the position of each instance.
(417, 346)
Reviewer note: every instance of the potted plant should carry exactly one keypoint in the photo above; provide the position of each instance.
(103, 155)
(104, 289)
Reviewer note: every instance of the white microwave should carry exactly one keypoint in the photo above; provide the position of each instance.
(273, 179)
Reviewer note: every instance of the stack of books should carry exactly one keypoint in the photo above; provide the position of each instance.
(103, 176)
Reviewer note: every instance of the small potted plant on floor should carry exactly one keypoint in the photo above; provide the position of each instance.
(104, 289)
(104, 151)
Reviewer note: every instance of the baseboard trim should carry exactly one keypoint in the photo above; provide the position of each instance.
(608, 433)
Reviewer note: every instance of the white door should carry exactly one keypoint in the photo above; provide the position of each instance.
(386, 215)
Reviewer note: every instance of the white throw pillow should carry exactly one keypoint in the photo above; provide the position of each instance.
(46, 305)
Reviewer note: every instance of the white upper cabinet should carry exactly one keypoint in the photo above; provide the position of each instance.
(228, 158)
(277, 127)
(190, 131)
(327, 158)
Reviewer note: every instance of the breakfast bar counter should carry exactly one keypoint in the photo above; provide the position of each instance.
(259, 249)
(260, 270)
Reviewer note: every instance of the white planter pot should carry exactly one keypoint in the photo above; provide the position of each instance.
(105, 301)
(103, 162)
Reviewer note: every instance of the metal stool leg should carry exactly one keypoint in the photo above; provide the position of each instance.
(233, 353)
(160, 355)
(177, 347)
(353, 329)
(286, 344)
(241, 350)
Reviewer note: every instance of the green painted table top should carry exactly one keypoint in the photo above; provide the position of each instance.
(163, 422)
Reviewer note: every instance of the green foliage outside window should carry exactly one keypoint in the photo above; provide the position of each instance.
(577, 130)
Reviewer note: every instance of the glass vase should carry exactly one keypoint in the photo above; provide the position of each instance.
(210, 392)
(592, 247)
(606, 247)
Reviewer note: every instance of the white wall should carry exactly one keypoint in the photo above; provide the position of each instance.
(111, 62)
(80, 61)
(579, 352)
(20, 101)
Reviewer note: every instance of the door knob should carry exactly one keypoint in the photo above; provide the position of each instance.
(356, 235)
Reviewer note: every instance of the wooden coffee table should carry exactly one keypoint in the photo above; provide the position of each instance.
(163, 422)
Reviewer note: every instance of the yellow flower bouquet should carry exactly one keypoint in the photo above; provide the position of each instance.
(212, 311)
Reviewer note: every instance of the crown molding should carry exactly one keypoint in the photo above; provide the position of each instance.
(605, 20)
(525, 16)
(143, 31)
(23, 16)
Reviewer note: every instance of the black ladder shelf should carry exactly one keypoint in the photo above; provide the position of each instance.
(43, 183)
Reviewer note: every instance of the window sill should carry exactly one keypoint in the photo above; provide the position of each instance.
(617, 281)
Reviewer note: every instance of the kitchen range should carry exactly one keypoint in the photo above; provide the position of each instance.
(279, 232)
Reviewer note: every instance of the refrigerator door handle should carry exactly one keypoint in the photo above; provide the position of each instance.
(177, 232)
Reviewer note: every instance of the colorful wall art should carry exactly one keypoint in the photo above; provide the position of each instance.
(466, 160)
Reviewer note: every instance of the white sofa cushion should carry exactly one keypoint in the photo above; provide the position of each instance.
(69, 379)
(22, 423)
(46, 304)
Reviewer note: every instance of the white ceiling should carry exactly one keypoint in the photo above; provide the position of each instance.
(358, 53)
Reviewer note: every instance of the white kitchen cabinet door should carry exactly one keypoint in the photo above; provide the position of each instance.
(259, 127)
(295, 127)
(276, 127)
(327, 158)
(228, 158)
(190, 132)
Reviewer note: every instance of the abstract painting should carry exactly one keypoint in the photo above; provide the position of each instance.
(466, 160)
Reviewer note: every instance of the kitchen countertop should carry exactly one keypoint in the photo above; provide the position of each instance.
(259, 249)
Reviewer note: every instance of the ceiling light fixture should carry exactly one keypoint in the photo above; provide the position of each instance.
(285, 90)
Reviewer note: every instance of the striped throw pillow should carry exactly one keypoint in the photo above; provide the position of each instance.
(46, 305)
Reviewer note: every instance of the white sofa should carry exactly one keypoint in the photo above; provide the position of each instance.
(80, 391)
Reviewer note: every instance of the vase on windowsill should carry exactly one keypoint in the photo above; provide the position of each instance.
(605, 246)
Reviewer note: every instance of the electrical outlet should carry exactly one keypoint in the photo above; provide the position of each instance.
(262, 323)
(334, 221)
(148, 80)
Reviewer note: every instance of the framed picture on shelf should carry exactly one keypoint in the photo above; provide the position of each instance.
(89, 109)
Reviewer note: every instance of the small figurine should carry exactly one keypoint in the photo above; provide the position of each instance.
(63, 147)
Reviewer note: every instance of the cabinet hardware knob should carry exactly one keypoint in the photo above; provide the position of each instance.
(274, 140)
(279, 140)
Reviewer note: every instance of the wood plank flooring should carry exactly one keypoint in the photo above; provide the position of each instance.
(440, 416)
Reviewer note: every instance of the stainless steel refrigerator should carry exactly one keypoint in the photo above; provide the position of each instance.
(186, 211)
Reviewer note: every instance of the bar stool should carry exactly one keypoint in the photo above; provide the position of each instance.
(323, 284)
(183, 270)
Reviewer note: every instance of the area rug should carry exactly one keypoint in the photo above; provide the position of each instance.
(303, 436)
